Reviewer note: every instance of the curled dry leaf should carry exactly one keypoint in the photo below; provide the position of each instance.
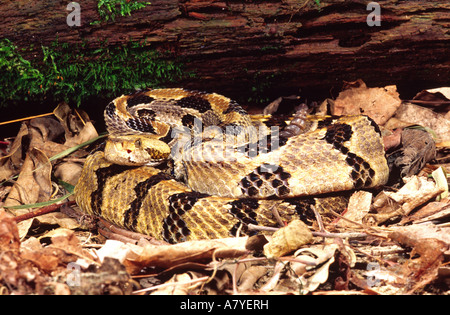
(72, 120)
(358, 207)
(288, 239)
(433, 97)
(431, 211)
(166, 256)
(378, 103)
(34, 182)
(418, 115)
(250, 276)
(414, 193)
(12, 162)
(309, 276)
(49, 127)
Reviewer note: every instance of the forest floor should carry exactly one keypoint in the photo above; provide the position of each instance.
(391, 241)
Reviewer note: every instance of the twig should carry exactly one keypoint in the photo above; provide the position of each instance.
(112, 231)
(277, 216)
(234, 280)
(254, 227)
(366, 227)
(22, 119)
(42, 211)
(318, 219)
(353, 235)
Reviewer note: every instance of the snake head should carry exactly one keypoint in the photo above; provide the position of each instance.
(136, 150)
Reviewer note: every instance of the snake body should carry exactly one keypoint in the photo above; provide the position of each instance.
(227, 174)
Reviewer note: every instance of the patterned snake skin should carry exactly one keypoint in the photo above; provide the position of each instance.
(226, 173)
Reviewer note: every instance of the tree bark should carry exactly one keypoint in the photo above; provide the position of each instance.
(268, 47)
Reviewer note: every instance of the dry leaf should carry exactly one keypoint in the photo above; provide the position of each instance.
(250, 276)
(12, 162)
(180, 284)
(9, 235)
(88, 132)
(67, 241)
(34, 182)
(433, 97)
(68, 172)
(358, 207)
(165, 256)
(414, 193)
(318, 256)
(378, 103)
(431, 211)
(423, 270)
(49, 127)
(414, 114)
(288, 239)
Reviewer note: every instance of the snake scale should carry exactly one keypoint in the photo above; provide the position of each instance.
(225, 172)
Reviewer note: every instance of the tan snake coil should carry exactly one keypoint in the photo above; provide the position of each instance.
(226, 173)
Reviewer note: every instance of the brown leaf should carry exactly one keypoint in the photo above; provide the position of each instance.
(416, 192)
(12, 162)
(45, 259)
(165, 256)
(423, 270)
(430, 211)
(68, 172)
(288, 239)
(9, 235)
(49, 127)
(67, 241)
(358, 207)
(86, 133)
(378, 103)
(74, 121)
(434, 97)
(180, 284)
(34, 182)
(250, 276)
(414, 114)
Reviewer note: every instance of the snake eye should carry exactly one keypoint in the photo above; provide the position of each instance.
(137, 143)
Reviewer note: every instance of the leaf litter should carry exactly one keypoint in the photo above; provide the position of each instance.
(390, 241)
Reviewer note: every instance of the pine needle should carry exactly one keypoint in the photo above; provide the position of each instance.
(23, 119)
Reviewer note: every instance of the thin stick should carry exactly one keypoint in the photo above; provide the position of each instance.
(41, 211)
(352, 235)
(318, 219)
(22, 119)
(254, 227)
(234, 280)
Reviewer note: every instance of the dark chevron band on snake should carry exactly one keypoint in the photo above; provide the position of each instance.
(215, 189)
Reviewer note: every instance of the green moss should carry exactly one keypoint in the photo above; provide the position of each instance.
(109, 9)
(261, 83)
(74, 74)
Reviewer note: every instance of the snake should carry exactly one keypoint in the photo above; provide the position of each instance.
(184, 165)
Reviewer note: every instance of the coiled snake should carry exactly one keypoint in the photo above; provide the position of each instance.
(226, 173)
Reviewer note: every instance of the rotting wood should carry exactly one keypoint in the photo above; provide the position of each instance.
(260, 46)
